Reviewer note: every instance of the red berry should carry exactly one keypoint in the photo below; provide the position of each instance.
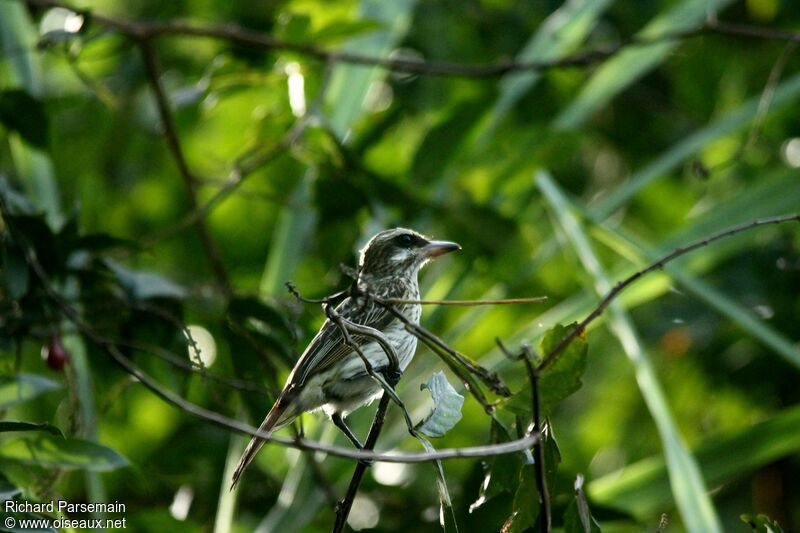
(55, 354)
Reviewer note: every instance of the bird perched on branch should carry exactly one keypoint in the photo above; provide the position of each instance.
(330, 374)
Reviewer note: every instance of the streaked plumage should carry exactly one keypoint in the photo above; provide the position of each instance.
(329, 375)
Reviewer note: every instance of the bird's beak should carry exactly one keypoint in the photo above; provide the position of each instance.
(437, 248)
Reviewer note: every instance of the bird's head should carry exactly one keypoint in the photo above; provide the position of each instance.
(399, 252)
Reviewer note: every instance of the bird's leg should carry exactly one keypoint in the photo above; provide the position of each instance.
(339, 422)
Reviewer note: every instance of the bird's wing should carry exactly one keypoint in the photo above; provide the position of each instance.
(328, 346)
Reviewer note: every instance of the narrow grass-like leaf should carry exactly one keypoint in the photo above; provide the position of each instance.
(24, 387)
(642, 488)
(16, 425)
(33, 166)
(558, 35)
(447, 516)
(632, 63)
(787, 92)
(688, 489)
(49, 451)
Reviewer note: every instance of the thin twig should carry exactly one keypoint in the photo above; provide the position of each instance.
(72, 314)
(242, 36)
(491, 379)
(526, 356)
(655, 265)
(545, 521)
(468, 303)
(150, 58)
(140, 30)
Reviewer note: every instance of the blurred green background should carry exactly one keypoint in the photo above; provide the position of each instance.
(554, 181)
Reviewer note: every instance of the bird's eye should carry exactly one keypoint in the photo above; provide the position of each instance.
(405, 240)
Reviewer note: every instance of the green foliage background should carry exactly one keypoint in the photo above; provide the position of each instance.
(554, 181)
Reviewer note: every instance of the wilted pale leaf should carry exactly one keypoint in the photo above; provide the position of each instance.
(446, 406)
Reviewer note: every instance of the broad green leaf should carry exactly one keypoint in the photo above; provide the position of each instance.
(22, 113)
(526, 506)
(446, 406)
(688, 487)
(761, 523)
(627, 66)
(55, 452)
(560, 379)
(142, 285)
(642, 488)
(23, 387)
(15, 425)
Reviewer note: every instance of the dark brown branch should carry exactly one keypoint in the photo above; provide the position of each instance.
(655, 265)
(469, 303)
(344, 506)
(150, 58)
(526, 356)
(141, 30)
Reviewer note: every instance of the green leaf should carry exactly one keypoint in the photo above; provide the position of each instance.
(24, 114)
(24, 387)
(14, 425)
(557, 36)
(577, 517)
(761, 523)
(447, 516)
(559, 380)
(526, 505)
(15, 271)
(633, 62)
(786, 92)
(688, 486)
(48, 451)
(7, 489)
(243, 309)
(446, 406)
(642, 488)
(339, 30)
(142, 285)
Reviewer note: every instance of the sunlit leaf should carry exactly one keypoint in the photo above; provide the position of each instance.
(24, 387)
(631, 63)
(55, 452)
(559, 380)
(761, 523)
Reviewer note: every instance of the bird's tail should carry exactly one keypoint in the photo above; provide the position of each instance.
(277, 417)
